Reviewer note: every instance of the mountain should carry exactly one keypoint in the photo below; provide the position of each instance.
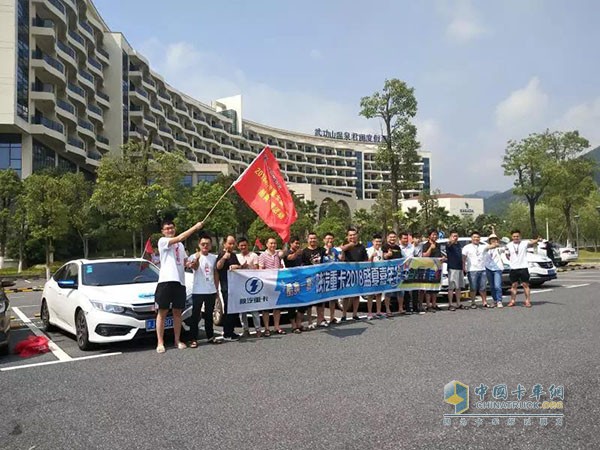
(483, 194)
(595, 156)
(498, 203)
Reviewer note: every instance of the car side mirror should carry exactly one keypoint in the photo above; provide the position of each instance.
(67, 284)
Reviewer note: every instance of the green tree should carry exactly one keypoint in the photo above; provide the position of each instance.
(532, 161)
(47, 211)
(135, 188)
(395, 105)
(366, 224)
(10, 188)
(307, 214)
(83, 217)
(382, 209)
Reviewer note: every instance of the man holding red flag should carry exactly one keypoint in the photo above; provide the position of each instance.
(263, 188)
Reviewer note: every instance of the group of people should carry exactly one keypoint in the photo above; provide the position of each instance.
(479, 261)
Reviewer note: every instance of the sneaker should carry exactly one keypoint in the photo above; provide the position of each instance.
(451, 308)
(343, 319)
(355, 318)
(213, 340)
(369, 316)
(311, 326)
(499, 305)
(233, 337)
(323, 324)
(422, 312)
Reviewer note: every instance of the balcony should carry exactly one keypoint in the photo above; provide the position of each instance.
(65, 106)
(95, 64)
(67, 53)
(164, 96)
(102, 139)
(48, 123)
(78, 40)
(52, 65)
(87, 78)
(95, 112)
(164, 129)
(103, 54)
(79, 92)
(88, 29)
(76, 143)
(102, 96)
(140, 91)
(56, 7)
(87, 128)
(42, 92)
(43, 28)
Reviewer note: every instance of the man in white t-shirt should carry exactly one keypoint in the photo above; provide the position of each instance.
(475, 268)
(247, 260)
(375, 253)
(516, 252)
(170, 290)
(204, 290)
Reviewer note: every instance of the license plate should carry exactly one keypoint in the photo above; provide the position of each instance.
(551, 272)
(151, 324)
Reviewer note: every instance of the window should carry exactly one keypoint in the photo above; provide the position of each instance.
(23, 60)
(187, 181)
(10, 152)
(43, 157)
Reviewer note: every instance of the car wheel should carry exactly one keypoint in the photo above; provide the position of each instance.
(218, 312)
(45, 317)
(82, 334)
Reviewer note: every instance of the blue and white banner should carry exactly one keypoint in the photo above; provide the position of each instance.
(256, 290)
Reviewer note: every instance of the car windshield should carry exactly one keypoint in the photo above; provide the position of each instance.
(119, 272)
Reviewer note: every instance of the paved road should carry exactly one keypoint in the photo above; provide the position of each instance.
(370, 384)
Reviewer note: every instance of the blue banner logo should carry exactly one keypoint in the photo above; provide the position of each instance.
(254, 286)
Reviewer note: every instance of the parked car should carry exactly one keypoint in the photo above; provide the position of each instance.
(4, 318)
(541, 269)
(564, 255)
(102, 301)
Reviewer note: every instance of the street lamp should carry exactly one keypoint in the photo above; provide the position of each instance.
(577, 233)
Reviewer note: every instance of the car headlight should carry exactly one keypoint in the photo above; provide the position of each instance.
(2, 306)
(107, 307)
(533, 264)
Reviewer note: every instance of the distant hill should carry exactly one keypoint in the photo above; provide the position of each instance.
(595, 155)
(482, 194)
(498, 203)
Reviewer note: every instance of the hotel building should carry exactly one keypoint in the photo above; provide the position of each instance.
(76, 90)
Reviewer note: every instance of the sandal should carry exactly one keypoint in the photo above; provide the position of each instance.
(267, 333)
(527, 304)
(194, 344)
(160, 349)
(280, 331)
(473, 306)
(451, 308)
(181, 346)
(511, 304)
(297, 331)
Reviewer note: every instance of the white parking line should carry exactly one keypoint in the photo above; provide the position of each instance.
(577, 285)
(55, 349)
(49, 363)
(27, 281)
(541, 290)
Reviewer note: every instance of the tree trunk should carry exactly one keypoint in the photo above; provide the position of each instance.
(86, 247)
(142, 242)
(1, 261)
(133, 243)
(534, 230)
(567, 214)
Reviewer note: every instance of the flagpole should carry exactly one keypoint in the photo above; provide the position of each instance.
(219, 201)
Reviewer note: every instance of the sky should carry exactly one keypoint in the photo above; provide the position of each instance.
(483, 72)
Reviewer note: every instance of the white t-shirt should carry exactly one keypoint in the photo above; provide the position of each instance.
(378, 254)
(204, 275)
(517, 255)
(251, 259)
(492, 258)
(408, 251)
(172, 258)
(474, 254)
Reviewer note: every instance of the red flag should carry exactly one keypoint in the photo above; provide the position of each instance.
(148, 247)
(262, 186)
(258, 244)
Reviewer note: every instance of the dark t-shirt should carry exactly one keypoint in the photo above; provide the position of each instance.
(396, 250)
(454, 255)
(436, 253)
(296, 262)
(312, 256)
(357, 253)
(232, 261)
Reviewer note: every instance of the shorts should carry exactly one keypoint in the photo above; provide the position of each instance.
(477, 280)
(455, 279)
(170, 294)
(519, 275)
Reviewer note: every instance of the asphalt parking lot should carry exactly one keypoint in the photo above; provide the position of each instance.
(368, 384)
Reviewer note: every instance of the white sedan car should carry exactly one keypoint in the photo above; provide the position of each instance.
(102, 301)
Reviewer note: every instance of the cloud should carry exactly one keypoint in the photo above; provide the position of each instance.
(315, 54)
(524, 110)
(464, 22)
(584, 117)
(206, 76)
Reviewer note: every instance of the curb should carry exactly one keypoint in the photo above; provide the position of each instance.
(570, 269)
(28, 289)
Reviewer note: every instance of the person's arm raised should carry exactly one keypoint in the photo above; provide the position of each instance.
(186, 234)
